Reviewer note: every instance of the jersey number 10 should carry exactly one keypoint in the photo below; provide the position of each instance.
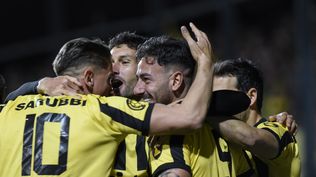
(38, 167)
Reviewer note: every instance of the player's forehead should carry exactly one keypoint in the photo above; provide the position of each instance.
(225, 83)
(149, 65)
(122, 50)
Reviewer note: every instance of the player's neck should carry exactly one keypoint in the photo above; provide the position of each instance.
(253, 117)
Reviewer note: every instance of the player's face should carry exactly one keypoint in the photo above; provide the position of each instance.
(101, 84)
(228, 83)
(153, 82)
(124, 70)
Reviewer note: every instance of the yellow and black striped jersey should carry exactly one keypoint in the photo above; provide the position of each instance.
(132, 157)
(1, 106)
(203, 153)
(65, 136)
(287, 163)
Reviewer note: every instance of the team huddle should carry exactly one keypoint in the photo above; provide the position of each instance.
(141, 107)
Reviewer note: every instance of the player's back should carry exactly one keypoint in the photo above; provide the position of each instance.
(62, 136)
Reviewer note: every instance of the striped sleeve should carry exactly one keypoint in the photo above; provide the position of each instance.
(287, 161)
(131, 116)
(279, 132)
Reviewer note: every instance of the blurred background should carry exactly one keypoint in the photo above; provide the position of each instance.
(277, 34)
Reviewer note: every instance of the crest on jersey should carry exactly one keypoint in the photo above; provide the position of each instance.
(156, 150)
(135, 105)
(155, 146)
(270, 124)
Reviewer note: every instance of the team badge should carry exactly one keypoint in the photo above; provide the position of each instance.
(135, 105)
(156, 150)
(270, 124)
(155, 146)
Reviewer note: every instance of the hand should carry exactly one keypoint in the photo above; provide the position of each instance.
(60, 85)
(200, 49)
(285, 119)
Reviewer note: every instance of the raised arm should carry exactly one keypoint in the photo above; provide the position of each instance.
(190, 114)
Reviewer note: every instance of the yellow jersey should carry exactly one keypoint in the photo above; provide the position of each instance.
(203, 153)
(65, 136)
(131, 157)
(287, 163)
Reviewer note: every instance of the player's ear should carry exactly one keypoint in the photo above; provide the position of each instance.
(176, 80)
(88, 78)
(252, 93)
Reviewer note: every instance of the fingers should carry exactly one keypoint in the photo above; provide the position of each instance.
(61, 85)
(202, 41)
(70, 92)
(74, 84)
(281, 118)
(287, 120)
(201, 47)
(67, 90)
(272, 118)
(291, 125)
(294, 128)
(42, 85)
(67, 86)
(195, 50)
(186, 35)
(74, 81)
(198, 34)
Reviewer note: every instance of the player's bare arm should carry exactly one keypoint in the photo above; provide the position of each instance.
(191, 113)
(258, 141)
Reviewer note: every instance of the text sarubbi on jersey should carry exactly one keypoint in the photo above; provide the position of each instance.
(52, 102)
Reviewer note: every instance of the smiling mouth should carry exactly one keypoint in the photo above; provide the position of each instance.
(116, 83)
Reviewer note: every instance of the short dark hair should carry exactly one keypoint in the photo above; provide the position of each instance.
(81, 52)
(168, 51)
(247, 73)
(132, 40)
